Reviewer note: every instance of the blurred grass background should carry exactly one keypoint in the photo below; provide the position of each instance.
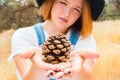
(7, 69)
(107, 35)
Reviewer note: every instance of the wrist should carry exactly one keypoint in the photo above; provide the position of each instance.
(32, 74)
(87, 70)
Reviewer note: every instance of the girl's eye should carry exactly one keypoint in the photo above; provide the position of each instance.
(63, 3)
(78, 10)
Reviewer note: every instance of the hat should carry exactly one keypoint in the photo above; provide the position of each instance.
(95, 5)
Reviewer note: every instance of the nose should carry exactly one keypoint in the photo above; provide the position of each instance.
(67, 12)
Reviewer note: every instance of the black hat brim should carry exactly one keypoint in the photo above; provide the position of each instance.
(96, 7)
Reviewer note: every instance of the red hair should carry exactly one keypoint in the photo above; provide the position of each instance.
(87, 24)
(45, 9)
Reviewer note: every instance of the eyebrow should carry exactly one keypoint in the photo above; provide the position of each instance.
(76, 6)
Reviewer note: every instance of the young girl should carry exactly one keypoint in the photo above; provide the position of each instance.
(61, 16)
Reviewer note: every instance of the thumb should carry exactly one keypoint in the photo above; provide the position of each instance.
(29, 53)
(86, 54)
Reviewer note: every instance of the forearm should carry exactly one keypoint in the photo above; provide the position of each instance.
(36, 73)
(24, 67)
(30, 75)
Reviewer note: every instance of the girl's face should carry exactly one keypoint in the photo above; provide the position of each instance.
(64, 13)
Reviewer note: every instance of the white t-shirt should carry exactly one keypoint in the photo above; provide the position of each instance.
(24, 38)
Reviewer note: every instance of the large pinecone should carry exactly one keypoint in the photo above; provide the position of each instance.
(56, 49)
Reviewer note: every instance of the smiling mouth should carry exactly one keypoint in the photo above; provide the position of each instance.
(63, 20)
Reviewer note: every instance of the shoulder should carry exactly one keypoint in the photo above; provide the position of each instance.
(24, 34)
(26, 31)
(29, 30)
(88, 38)
(87, 43)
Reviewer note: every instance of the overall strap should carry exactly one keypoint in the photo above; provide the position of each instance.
(40, 34)
(74, 37)
(41, 37)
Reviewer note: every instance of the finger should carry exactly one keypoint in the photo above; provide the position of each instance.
(59, 75)
(62, 66)
(67, 65)
(29, 52)
(59, 67)
(48, 66)
(86, 54)
(67, 71)
(37, 59)
(70, 71)
(76, 66)
(50, 73)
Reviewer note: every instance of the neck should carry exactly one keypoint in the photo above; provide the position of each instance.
(51, 28)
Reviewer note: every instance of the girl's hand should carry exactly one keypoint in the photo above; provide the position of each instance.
(78, 59)
(59, 72)
(81, 64)
(35, 55)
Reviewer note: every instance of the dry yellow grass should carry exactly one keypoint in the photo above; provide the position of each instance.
(107, 35)
(7, 70)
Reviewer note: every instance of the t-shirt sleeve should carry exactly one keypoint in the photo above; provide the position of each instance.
(88, 44)
(21, 40)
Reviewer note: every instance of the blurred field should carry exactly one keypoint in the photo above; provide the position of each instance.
(7, 70)
(107, 35)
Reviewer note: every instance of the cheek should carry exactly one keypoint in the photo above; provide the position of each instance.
(76, 15)
(55, 11)
(74, 18)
